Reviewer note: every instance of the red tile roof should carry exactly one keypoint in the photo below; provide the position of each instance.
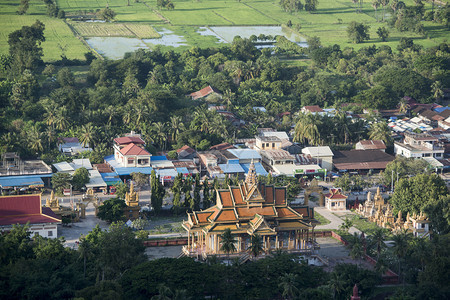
(223, 146)
(284, 212)
(280, 196)
(203, 92)
(128, 140)
(244, 212)
(335, 194)
(23, 209)
(372, 144)
(237, 196)
(226, 198)
(133, 149)
(269, 194)
(313, 108)
(226, 215)
(187, 149)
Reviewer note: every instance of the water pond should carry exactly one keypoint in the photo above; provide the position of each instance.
(115, 47)
(168, 38)
(227, 33)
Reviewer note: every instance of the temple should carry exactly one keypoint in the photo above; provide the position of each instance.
(247, 209)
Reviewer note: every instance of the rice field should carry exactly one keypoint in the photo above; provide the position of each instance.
(59, 39)
(91, 29)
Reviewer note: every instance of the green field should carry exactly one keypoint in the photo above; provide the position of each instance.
(57, 34)
(142, 31)
(329, 22)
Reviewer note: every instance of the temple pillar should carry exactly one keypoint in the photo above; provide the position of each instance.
(321, 199)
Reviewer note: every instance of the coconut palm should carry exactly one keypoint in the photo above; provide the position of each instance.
(378, 236)
(34, 138)
(227, 242)
(403, 106)
(401, 245)
(287, 285)
(141, 112)
(87, 135)
(176, 127)
(307, 128)
(160, 133)
(336, 283)
(256, 246)
(61, 120)
(50, 135)
(381, 131)
(436, 88)
(357, 247)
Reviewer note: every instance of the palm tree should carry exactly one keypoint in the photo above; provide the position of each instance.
(164, 293)
(336, 283)
(378, 236)
(357, 251)
(384, 3)
(35, 139)
(141, 112)
(346, 225)
(50, 135)
(307, 128)
(61, 120)
(85, 250)
(176, 126)
(256, 246)
(287, 285)
(159, 129)
(87, 135)
(403, 106)
(381, 131)
(401, 245)
(436, 88)
(343, 125)
(227, 242)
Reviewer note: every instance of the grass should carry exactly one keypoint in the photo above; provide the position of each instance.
(361, 223)
(321, 219)
(142, 31)
(59, 38)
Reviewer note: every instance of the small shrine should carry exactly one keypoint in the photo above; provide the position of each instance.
(336, 200)
(62, 211)
(132, 202)
(52, 202)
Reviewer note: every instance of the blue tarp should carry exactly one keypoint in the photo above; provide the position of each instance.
(183, 170)
(155, 158)
(231, 168)
(16, 181)
(111, 178)
(441, 109)
(258, 167)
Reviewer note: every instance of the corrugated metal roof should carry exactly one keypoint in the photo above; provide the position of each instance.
(258, 168)
(13, 181)
(245, 153)
(231, 168)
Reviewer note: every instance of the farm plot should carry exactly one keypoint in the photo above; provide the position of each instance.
(91, 29)
(59, 39)
(135, 12)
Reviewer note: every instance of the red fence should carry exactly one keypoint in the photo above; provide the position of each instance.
(389, 277)
(166, 242)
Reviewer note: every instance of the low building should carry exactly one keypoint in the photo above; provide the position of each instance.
(419, 145)
(268, 143)
(313, 109)
(72, 146)
(186, 152)
(370, 145)
(323, 154)
(129, 151)
(361, 160)
(247, 209)
(25, 209)
(206, 93)
(279, 161)
(336, 200)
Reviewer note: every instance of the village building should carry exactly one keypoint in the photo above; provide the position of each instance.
(419, 145)
(25, 209)
(247, 209)
(129, 152)
(361, 161)
(186, 152)
(308, 165)
(16, 173)
(206, 93)
(336, 200)
(312, 109)
(71, 146)
(371, 145)
(323, 154)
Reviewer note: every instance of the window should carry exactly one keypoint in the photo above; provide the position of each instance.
(143, 161)
(50, 233)
(131, 160)
(273, 145)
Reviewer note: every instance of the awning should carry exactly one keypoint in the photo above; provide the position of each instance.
(21, 181)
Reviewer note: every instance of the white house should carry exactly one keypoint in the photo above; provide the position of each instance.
(323, 154)
(419, 145)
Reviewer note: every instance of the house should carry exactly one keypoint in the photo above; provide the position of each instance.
(313, 109)
(186, 152)
(308, 165)
(222, 146)
(323, 153)
(71, 146)
(371, 145)
(129, 152)
(24, 174)
(279, 161)
(268, 143)
(206, 93)
(247, 209)
(209, 162)
(335, 200)
(361, 160)
(419, 145)
(25, 209)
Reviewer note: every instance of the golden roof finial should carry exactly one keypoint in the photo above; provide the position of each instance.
(251, 178)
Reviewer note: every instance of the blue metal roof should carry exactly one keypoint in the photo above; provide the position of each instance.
(155, 158)
(233, 161)
(258, 168)
(167, 172)
(28, 180)
(441, 109)
(245, 153)
(183, 170)
(111, 178)
(231, 168)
